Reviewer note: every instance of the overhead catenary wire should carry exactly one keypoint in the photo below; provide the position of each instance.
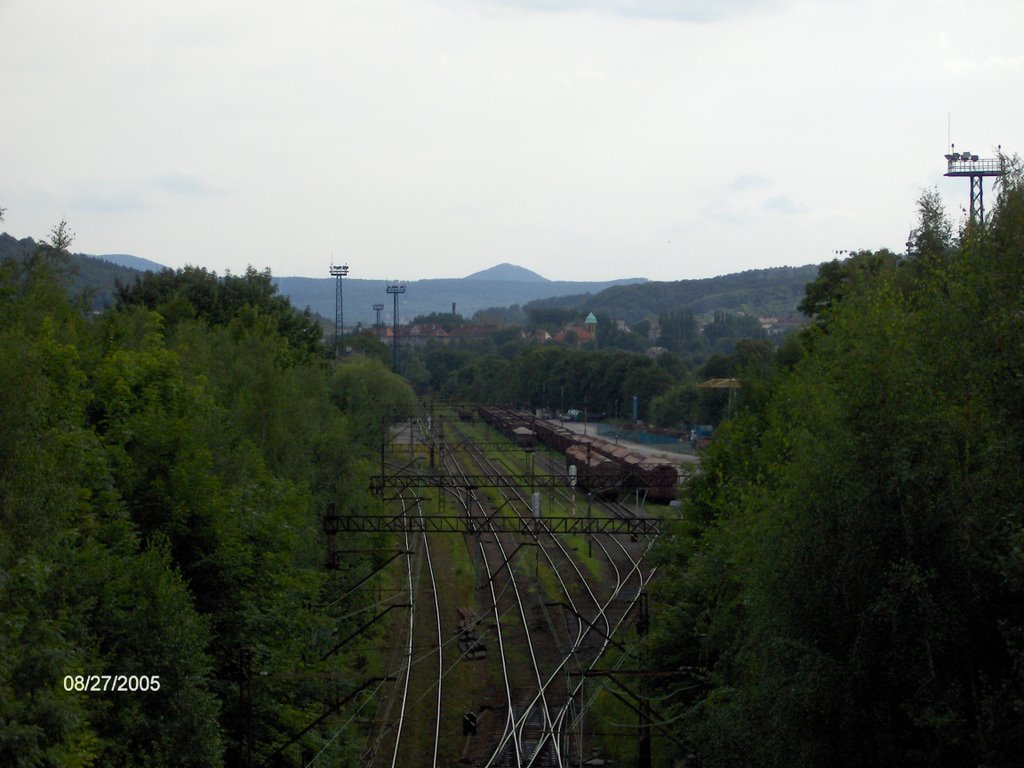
(344, 725)
(606, 612)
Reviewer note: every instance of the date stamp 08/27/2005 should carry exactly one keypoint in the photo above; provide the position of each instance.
(114, 683)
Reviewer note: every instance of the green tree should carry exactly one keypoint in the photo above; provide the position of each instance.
(846, 584)
(932, 239)
(837, 279)
(367, 343)
(161, 489)
(679, 330)
(79, 595)
(371, 396)
(61, 237)
(445, 320)
(194, 293)
(676, 408)
(550, 318)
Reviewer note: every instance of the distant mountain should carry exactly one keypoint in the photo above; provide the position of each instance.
(11, 246)
(421, 297)
(95, 276)
(132, 262)
(509, 273)
(774, 291)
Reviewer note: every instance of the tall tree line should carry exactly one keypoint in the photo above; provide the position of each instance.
(164, 469)
(847, 584)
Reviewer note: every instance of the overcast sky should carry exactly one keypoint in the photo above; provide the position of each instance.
(582, 139)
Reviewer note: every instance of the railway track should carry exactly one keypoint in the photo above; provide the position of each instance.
(496, 560)
(549, 636)
(539, 741)
(549, 744)
(399, 701)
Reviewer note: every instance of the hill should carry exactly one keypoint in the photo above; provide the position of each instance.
(775, 291)
(508, 272)
(95, 275)
(132, 262)
(422, 297)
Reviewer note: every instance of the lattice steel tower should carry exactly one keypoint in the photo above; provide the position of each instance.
(378, 308)
(396, 290)
(339, 320)
(976, 169)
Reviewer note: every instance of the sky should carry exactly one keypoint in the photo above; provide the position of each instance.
(581, 139)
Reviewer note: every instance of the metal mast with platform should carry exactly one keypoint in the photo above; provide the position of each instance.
(976, 169)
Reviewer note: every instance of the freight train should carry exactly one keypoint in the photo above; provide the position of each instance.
(602, 466)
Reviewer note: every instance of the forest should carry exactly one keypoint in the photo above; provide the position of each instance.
(603, 377)
(756, 291)
(846, 583)
(164, 470)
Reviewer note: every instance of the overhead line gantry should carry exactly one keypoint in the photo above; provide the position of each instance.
(635, 526)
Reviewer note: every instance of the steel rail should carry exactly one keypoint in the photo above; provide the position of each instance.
(369, 756)
(548, 733)
(603, 614)
(552, 729)
(642, 584)
(529, 645)
(606, 638)
(509, 719)
(516, 734)
(527, 716)
(408, 657)
(440, 641)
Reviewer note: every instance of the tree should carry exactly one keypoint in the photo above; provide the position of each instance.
(550, 318)
(840, 591)
(838, 279)
(677, 408)
(81, 594)
(445, 320)
(161, 492)
(61, 237)
(932, 239)
(679, 330)
(367, 343)
(249, 299)
(371, 396)
(610, 336)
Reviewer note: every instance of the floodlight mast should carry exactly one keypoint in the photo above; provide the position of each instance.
(976, 169)
(395, 290)
(338, 272)
(378, 308)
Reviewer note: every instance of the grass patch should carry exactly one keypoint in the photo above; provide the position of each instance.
(548, 583)
(578, 544)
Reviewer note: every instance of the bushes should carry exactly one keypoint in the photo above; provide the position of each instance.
(161, 486)
(849, 577)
